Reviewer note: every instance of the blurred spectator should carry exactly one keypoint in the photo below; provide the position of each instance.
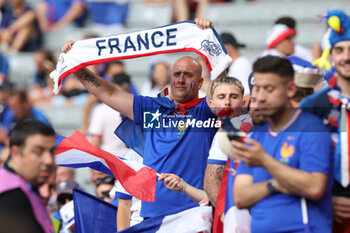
(31, 164)
(4, 92)
(103, 188)
(188, 9)
(21, 109)
(72, 93)
(3, 111)
(47, 189)
(240, 67)
(64, 196)
(306, 78)
(159, 79)
(54, 15)
(19, 28)
(105, 120)
(64, 174)
(47, 192)
(41, 92)
(4, 68)
(108, 17)
(299, 50)
(68, 220)
(280, 41)
(96, 175)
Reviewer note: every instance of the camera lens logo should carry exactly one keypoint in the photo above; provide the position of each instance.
(151, 120)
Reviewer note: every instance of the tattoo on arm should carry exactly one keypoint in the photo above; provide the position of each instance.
(89, 78)
(212, 181)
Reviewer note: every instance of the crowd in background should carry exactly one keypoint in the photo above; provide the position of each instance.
(22, 29)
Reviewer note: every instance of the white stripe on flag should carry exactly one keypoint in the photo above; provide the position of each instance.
(197, 219)
(74, 156)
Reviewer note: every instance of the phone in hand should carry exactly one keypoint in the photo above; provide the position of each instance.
(237, 136)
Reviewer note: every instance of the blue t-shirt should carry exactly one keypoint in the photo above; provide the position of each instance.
(58, 8)
(305, 145)
(174, 148)
(34, 42)
(108, 13)
(9, 121)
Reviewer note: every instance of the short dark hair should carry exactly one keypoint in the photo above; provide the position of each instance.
(28, 128)
(123, 80)
(288, 21)
(21, 94)
(273, 64)
(301, 93)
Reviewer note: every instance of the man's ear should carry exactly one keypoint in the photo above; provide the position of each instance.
(211, 104)
(15, 152)
(291, 89)
(200, 83)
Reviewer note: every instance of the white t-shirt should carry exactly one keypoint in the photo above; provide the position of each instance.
(104, 121)
(122, 193)
(241, 69)
(272, 52)
(299, 51)
(302, 52)
(216, 155)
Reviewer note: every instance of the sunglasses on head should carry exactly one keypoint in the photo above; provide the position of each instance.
(105, 180)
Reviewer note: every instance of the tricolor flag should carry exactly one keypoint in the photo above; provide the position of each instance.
(164, 92)
(185, 220)
(235, 220)
(92, 214)
(76, 151)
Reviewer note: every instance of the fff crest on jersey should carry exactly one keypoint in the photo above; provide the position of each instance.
(210, 47)
(287, 152)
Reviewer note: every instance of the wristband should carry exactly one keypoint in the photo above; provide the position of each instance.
(183, 185)
(270, 187)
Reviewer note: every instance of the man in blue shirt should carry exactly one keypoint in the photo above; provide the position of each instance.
(178, 132)
(20, 110)
(286, 164)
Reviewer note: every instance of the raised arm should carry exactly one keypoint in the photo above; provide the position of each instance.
(108, 93)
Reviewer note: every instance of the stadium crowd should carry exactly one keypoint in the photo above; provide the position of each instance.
(278, 133)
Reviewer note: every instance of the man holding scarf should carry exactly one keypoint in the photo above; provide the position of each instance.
(177, 132)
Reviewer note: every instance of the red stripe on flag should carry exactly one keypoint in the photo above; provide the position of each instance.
(347, 131)
(218, 226)
(140, 184)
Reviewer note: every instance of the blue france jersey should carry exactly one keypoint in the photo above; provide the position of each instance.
(305, 144)
(171, 146)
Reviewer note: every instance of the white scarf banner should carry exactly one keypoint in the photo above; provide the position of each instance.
(179, 37)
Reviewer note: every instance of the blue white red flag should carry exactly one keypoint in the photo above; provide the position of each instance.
(92, 214)
(185, 220)
(235, 220)
(137, 179)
